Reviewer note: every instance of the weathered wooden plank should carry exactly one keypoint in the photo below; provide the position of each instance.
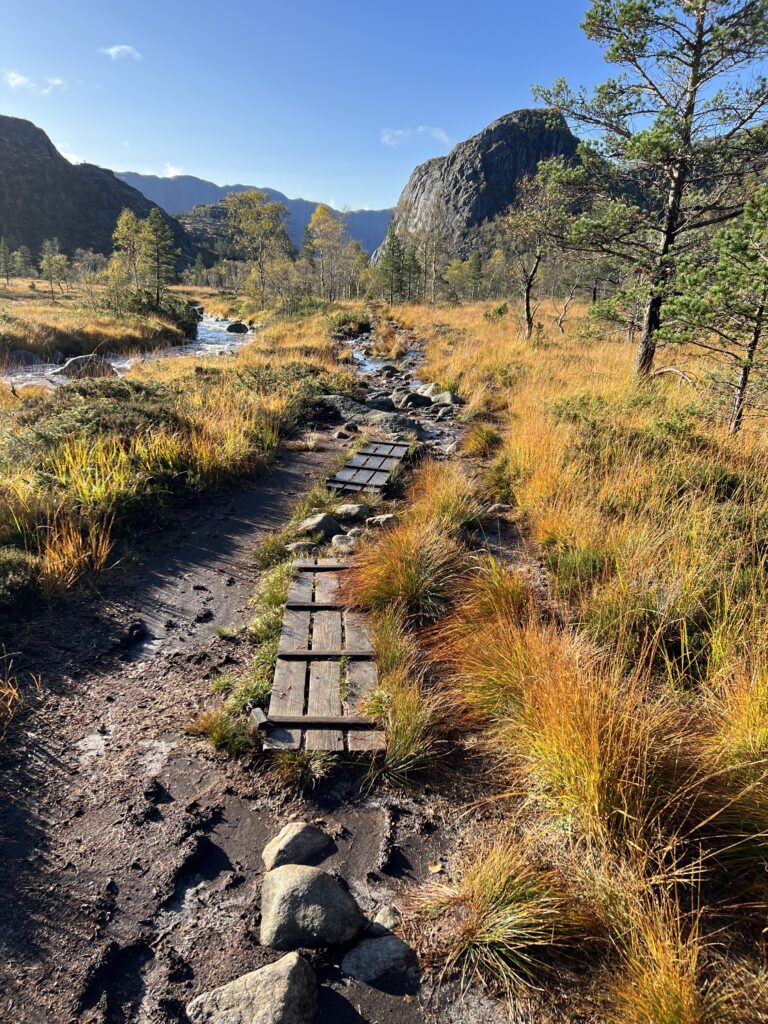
(357, 632)
(300, 589)
(378, 479)
(362, 678)
(361, 476)
(327, 587)
(366, 461)
(321, 721)
(295, 631)
(315, 653)
(324, 699)
(326, 631)
(314, 606)
(346, 474)
(321, 565)
(288, 694)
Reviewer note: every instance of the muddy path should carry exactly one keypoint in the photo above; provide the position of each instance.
(131, 851)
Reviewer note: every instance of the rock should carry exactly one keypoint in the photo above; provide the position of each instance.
(499, 510)
(356, 531)
(378, 522)
(381, 403)
(351, 427)
(22, 357)
(478, 178)
(413, 400)
(296, 843)
(447, 398)
(79, 367)
(320, 523)
(237, 327)
(341, 435)
(393, 423)
(386, 422)
(445, 412)
(284, 992)
(351, 513)
(301, 547)
(303, 906)
(388, 370)
(344, 544)
(387, 920)
(430, 390)
(452, 448)
(374, 957)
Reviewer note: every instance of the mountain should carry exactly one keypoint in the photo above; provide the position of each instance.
(183, 192)
(477, 180)
(42, 195)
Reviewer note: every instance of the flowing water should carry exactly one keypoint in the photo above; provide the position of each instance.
(212, 339)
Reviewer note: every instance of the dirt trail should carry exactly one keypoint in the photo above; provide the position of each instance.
(131, 852)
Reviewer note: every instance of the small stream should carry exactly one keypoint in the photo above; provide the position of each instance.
(212, 339)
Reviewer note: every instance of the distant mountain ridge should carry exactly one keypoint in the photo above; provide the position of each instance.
(180, 194)
(43, 195)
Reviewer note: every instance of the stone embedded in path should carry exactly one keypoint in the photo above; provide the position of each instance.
(387, 919)
(351, 513)
(297, 843)
(284, 992)
(237, 328)
(388, 370)
(341, 435)
(498, 510)
(381, 403)
(320, 523)
(374, 957)
(305, 907)
(413, 400)
(344, 544)
(447, 398)
(377, 522)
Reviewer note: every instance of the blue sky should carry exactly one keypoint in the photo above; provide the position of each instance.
(335, 102)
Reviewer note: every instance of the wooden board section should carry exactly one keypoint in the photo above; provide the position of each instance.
(370, 468)
(323, 646)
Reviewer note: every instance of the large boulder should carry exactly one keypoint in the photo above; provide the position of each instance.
(351, 513)
(413, 400)
(296, 843)
(304, 907)
(320, 523)
(380, 403)
(386, 422)
(80, 367)
(237, 328)
(446, 398)
(284, 992)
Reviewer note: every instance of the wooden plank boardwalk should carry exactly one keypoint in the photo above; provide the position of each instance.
(325, 667)
(369, 469)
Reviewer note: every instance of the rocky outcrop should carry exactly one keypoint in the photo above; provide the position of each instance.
(477, 180)
(42, 195)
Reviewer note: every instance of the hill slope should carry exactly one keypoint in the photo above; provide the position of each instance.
(42, 195)
(183, 192)
(477, 179)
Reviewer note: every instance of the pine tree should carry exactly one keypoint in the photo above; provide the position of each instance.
(53, 264)
(22, 262)
(474, 274)
(411, 271)
(391, 266)
(721, 305)
(5, 261)
(128, 245)
(681, 126)
(158, 254)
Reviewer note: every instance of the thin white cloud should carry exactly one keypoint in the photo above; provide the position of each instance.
(120, 51)
(16, 80)
(399, 136)
(172, 170)
(74, 158)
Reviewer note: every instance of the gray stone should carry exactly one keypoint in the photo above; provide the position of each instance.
(413, 400)
(351, 513)
(79, 367)
(320, 523)
(377, 522)
(374, 957)
(356, 531)
(296, 843)
(388, 370)
(499, 509)
(430, 390)
(22, 357)
(344, 544)
(351, 427)
(387, 920)
(445, 412)
(452, 448)
(386, 422)
(303, 906)
(341, 435)
(447, 398)
(381, 403)
(301, 547)
(237, 328)
(284, 992)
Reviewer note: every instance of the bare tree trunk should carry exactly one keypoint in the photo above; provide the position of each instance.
(564, 311)
(530, 277)
(739, 400)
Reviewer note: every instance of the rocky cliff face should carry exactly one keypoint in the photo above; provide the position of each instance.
(42, 195)
(477, 179)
